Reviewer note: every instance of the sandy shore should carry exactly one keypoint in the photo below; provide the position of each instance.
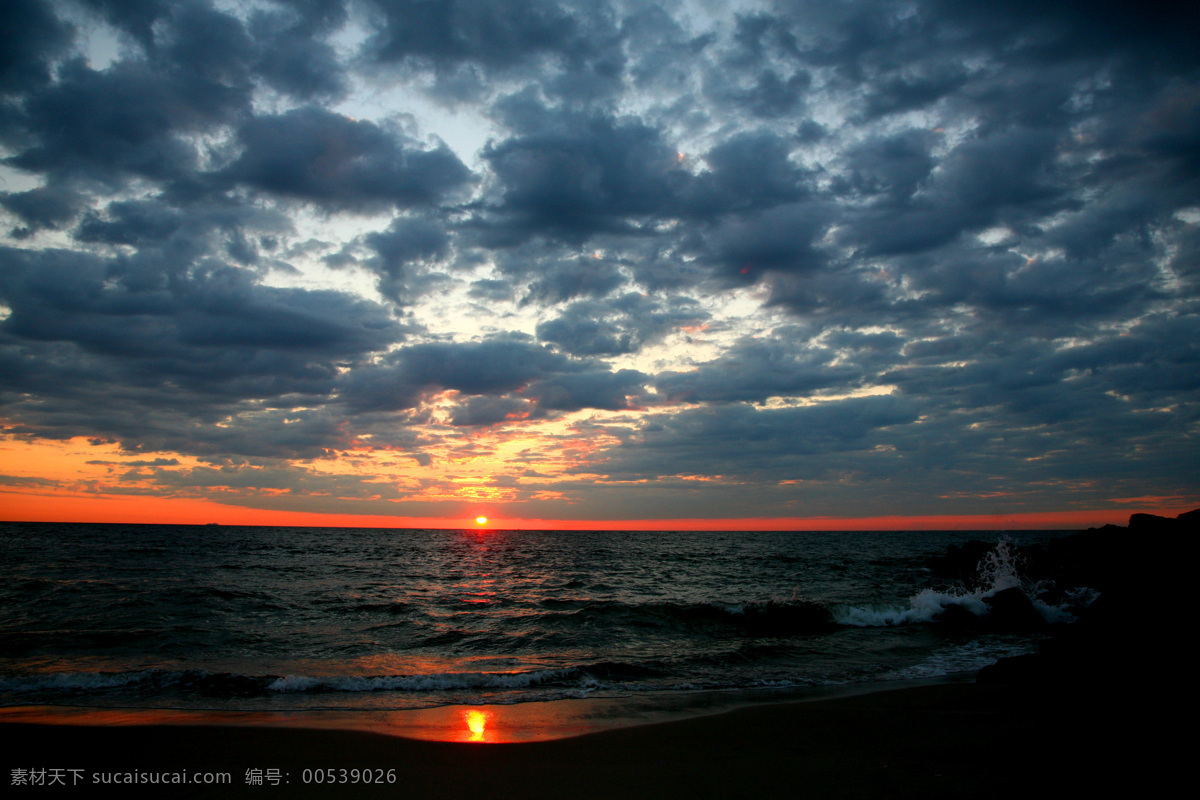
(952, 741)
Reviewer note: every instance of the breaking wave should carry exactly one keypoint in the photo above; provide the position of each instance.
(999, 584)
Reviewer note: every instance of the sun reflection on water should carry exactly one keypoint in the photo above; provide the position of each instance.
(476, 723)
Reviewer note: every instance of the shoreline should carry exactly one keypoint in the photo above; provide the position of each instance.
(492, 723)
(962, 740)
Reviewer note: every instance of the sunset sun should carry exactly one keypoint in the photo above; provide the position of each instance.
(481, 520)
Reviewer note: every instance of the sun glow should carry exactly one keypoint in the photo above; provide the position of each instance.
(481, 520)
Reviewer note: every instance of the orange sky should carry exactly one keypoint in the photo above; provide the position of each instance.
(21, 506)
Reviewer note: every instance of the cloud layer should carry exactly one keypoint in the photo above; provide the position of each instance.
(598, 260)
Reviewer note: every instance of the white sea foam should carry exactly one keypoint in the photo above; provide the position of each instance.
(924, 607)
(969, 657)
(998, 571)
(72, 681)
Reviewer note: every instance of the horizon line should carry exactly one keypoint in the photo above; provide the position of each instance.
(21, 506)
(1062, 520)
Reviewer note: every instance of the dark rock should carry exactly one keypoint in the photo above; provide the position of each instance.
(957, 616)
(962, 562)
(1012, 610)
(1139, 571)
(1151, 523)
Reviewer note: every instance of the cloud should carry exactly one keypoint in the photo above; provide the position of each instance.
(482, 411)
(619, 325)
(44, 207)
(171, 357)
(741, 440)
(337, 163)
(494, 368)
(568, 176)
(129, 120)
(998, 179)
(595, 388)
(292, 61)
(751, 170)
(31, 37)
(408, 244)
(490, 33)
(754, 370)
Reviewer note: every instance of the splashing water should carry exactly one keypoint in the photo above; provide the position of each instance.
(998, 571)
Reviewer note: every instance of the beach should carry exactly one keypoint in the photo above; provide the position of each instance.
(961, 740)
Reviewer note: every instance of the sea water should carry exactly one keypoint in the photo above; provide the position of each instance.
(318, 619)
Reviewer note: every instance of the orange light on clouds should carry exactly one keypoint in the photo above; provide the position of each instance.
(83, 481)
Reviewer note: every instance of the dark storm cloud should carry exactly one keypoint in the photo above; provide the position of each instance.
(148, 362)
(593, 388)
(550, 274)
(277, 46)
(135, 17)
(619, 325)
(585, 276)
(103, 307)
(129, 120)
(45, 207)
(488, 32)
(567, 175)
(1003, 178)
(747, 171)
(1152, 362)
(30, 37)
(890, 168)
(483, 411)
(249, 479)
(493, 368)
(739, 439)
(780, 239)
(491, 290)
(755, 370)
(170, 237)
(1078, 29)
(1053, 292)
(294, 62)
(408, 244)
(759, 73)
(339, 163)
(571, 177)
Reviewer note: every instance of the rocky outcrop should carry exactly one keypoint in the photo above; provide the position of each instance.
(1140, 572)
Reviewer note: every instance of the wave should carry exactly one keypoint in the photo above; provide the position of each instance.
(770, 618)
(154, 687)
(446, 681)
(154, 681)
(1002, 595)
(138, 681)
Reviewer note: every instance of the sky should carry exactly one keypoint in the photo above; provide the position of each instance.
(606, 263)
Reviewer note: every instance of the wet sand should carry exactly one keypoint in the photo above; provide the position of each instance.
(952, 741)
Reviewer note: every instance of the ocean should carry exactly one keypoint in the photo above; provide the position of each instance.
(305, 620)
